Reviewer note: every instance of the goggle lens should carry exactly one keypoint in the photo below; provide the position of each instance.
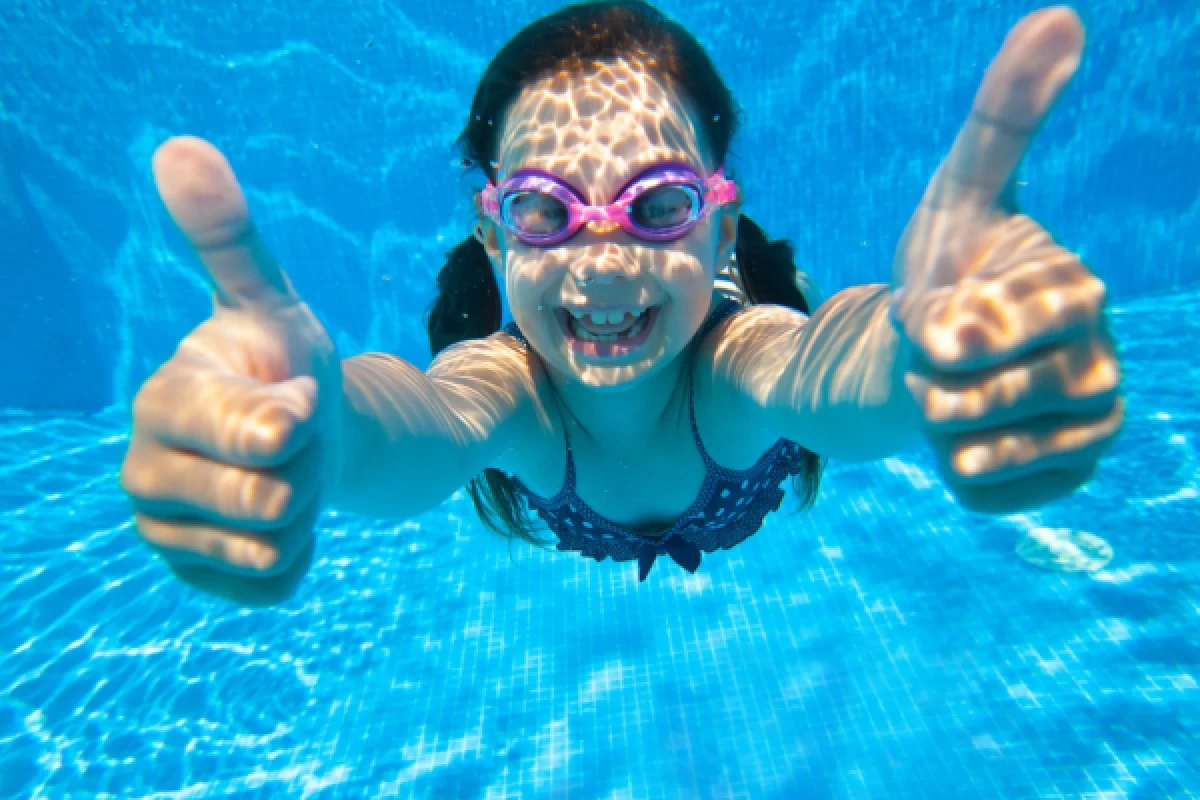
(662, 206)
(658, 209)
(535, 213)
(665, 207)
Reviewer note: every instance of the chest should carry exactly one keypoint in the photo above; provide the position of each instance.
(646, 483)
(644, 488)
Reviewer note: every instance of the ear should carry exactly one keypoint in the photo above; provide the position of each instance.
(486, 234)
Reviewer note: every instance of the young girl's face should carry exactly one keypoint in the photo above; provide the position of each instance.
(597, 131)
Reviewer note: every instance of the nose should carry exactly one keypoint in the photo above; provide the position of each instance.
(603, 271)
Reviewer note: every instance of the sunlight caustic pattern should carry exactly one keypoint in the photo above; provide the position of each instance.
(598, 126)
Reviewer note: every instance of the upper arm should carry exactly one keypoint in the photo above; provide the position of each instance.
(740, 369)
(492, 389)
(819, 382)
(415, 437)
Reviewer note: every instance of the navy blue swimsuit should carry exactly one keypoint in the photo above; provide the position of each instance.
(729, 509)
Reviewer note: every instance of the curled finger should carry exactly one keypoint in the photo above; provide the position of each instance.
(1050, 442)
(238, 552)
(1039, 300)
(168, 483)
(227, 417)
(254, 591)
(1080, 377)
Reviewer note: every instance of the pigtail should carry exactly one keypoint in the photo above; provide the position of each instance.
(468, 306)
(768, 274)
(768, 270)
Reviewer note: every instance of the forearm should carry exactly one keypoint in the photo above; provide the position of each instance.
(849, 386)
(403, 450)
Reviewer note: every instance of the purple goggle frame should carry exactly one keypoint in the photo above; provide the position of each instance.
(708, 194)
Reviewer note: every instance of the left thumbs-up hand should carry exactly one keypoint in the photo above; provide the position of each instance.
(1012, 365)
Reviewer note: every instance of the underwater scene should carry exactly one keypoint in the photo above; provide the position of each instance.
(886, 642)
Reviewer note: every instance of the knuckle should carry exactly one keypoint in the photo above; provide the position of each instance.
(147, 401)
(142, 402)
(1097, 290)
(257, 499)
(138, 479)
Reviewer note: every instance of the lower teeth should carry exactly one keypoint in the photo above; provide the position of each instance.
(587, 336)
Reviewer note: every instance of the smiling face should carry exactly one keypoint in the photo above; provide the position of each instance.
(605, 308)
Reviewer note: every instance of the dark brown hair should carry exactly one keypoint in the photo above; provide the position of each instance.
(468, 303)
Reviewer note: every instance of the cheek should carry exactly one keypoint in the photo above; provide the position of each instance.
(527, 273)
(692, 262)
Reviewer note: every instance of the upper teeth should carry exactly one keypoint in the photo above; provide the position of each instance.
(603, 317)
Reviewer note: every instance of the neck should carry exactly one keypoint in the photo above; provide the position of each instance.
(627, 418)
(623, 418)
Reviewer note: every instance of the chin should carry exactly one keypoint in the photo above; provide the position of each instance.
(613, 378)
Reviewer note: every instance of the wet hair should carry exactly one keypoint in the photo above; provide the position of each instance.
(468, 302)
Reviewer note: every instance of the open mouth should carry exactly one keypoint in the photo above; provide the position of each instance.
(607, 334)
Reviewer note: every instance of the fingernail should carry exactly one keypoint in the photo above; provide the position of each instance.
(300, 396)
(269, 438)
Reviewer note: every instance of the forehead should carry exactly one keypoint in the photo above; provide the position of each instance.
(599, 127)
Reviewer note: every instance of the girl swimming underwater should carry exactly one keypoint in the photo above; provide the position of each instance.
(662, 377)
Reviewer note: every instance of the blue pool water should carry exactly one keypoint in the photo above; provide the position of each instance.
(885, 644)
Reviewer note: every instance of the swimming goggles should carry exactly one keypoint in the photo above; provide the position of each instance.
(661, 205)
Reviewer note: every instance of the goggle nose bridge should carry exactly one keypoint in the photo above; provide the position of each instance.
(599, 220)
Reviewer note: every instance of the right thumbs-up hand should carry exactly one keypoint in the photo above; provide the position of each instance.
(236, 435)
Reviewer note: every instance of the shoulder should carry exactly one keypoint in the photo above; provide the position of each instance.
(737, 365)
(500, 351)
(753, 322)
(761, 337)
(498, 384)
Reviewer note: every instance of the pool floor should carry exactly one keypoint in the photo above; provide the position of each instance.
(886, 644)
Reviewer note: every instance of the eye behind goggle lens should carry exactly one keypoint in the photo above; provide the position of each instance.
(666, 207)
(535, 213)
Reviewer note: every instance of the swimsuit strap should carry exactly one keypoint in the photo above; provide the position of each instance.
(726, 308)
(569, 478)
